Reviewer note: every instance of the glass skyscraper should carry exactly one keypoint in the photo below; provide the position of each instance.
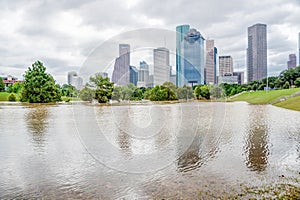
(257, 52)
(121, 73)
(180, 33)
(191, 67)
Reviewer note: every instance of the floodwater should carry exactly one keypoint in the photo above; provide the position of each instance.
(146, 151)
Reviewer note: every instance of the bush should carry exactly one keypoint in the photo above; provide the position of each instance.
(12, 97)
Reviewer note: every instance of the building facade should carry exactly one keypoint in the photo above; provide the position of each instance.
(161, 65)
(121, 72)
(211, 63)
(192, 59)
(292, 61)
(225, 65)
(133, 75)
(180, 33)
(257, 52)
(240, 76)
(143, 75)
(75, 80)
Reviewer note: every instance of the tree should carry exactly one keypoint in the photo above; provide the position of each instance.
(16, 87)
(39, 86)
(286, 85)
(185, 92)
(69, 90)
(297, 82)
(87, 94)
(2, 85)
(104, 88)
(117, 93)
(216, 92)
(202, 91)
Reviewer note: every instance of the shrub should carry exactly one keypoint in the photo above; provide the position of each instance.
(12, 97)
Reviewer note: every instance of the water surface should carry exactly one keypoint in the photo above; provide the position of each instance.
(185, 150)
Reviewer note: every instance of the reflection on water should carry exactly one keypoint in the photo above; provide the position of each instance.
(257, 149)
(37, 124)
(170, 151)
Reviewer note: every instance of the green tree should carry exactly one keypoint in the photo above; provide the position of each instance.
(87, 94)
(39, 86)
(69, 90)
(104, 88)
(16, 87)
(2, 85)
(297, 82)
(286, 85)
(117, 93)
(202, 91)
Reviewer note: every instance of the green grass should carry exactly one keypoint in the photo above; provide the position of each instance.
(292, 103)
(4, 96)
(264, 97)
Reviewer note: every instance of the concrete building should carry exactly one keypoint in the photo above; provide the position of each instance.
(192, 59)
(292, 61)
(211, 63)
(257, 52)
(181, 31)
(240, 76)
(121, 72)
(161, 65)
(225, 65)
(228, 78)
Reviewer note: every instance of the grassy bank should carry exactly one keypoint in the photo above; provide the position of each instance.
(264, 97)
(292, 103)
(4, 96)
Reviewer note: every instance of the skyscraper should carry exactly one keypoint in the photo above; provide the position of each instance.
(133, 75)
(121, 73)
(161, 65)
(143, 75)
(257, 52)
(75, 80)
(225, 65)
(299, 48)
(191, 71)
(292, 61)
(211, 63)
(180, 33)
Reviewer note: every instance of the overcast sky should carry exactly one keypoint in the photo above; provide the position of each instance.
(63, 34)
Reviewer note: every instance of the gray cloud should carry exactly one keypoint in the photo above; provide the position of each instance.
(63, 34)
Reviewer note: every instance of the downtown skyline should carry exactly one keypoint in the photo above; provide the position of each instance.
(63, 45)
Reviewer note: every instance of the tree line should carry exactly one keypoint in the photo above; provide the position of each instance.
(40, 87)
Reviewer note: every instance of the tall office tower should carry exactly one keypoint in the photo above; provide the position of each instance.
(133, 75)
(192, 59)
(211, 63)
(225, 65)
(121, 73)
(161, 65)
(180, 33)
(292, 61)
(257, 52)
(299, 47)
(71, 76)
(143, 75)
(75, 80)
